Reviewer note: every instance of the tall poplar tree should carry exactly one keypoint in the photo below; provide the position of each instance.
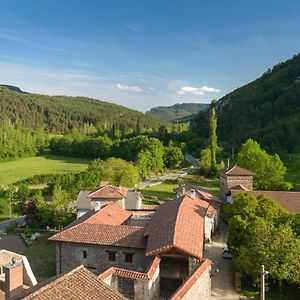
(213, 137)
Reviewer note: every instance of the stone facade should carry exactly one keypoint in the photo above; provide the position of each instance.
(227, 182)
(96, 257)
(201, 288)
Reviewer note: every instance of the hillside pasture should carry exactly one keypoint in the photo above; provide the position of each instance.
(15, 170)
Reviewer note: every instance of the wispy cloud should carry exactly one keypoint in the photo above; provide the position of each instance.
(131, 88)
(197, 90)
(135, 27)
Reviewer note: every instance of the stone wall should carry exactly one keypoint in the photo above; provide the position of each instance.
(147, 289)
(197, 286)
(70, 256)
(227, 182)
(201, 288)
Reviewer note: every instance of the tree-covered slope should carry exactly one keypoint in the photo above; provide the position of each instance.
(58, 114)
(178, 112)
(267, 110)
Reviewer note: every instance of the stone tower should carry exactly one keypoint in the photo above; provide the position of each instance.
(235, 178)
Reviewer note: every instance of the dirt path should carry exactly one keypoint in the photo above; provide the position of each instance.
(222, 271)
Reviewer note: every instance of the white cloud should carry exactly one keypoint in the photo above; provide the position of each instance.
(196, 91)
(131, 88)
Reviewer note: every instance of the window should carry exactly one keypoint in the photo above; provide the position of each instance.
(128, 257)
(84, 254)
(111, 255)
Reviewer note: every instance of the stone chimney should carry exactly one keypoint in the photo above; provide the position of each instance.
(13, 278)
(97, 205)
(193, 193)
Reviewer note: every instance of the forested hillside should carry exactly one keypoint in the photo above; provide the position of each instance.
(267, 110)
(58, 114)
(178, 112)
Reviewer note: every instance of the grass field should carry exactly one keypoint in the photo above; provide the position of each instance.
(13, 171)
(165, 190)
(41, 256)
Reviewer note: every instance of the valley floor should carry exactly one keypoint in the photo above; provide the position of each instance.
(15, 170)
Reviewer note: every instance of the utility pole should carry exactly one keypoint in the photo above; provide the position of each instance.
(262, 283)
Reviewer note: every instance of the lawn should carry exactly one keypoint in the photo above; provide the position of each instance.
(162, 191)
(165, 190)
(13, 171)
(41, 256)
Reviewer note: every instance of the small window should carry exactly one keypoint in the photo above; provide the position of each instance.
(128, 257)
(84, 254)
(111, 255)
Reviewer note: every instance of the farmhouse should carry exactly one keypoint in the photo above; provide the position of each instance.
(214, 206)
(162, 257)
(236, 180)
(87, 200)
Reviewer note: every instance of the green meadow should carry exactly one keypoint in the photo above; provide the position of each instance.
(15, 170)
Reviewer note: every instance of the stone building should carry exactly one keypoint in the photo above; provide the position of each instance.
(235, 178)
(151, 261)
(212, 215)
(87, 200)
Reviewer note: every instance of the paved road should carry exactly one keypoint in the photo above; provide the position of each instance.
(5, 224)
(161, 179)
(191, 159)
(222, 281)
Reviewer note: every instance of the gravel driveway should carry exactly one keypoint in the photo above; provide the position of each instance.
(222, 281)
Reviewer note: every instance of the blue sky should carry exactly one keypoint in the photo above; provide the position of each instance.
(144, 53)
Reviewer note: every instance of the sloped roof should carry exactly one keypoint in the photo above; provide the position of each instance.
(110, 214)
(178, 224)
(287, 200)
(77, 284)
(83, 200)
(101, 234)
(103, 227)
(236, 171)
(109, 192)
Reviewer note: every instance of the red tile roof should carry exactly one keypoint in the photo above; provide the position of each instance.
(236, 171)
(190, 281)
(288, 200)
(109, 192)
(132, 274)
(110, 214)
(101, 234)
(178, 224)
(77, 284)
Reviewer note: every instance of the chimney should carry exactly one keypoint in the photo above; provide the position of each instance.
(97, 205)
(13, 278)
(183, 189)
(193, 193)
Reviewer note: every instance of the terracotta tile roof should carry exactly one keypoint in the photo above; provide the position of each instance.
(102, 234)
(288, 200)
(109, 192)
(236, 171)
(177, 224)
(110, 214)
(190, 281)
(132, 274)
(77, 284)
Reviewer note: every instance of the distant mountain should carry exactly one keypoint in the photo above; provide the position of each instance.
(178, 112)
(12, 88)
(58, 114)
(267, 110)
